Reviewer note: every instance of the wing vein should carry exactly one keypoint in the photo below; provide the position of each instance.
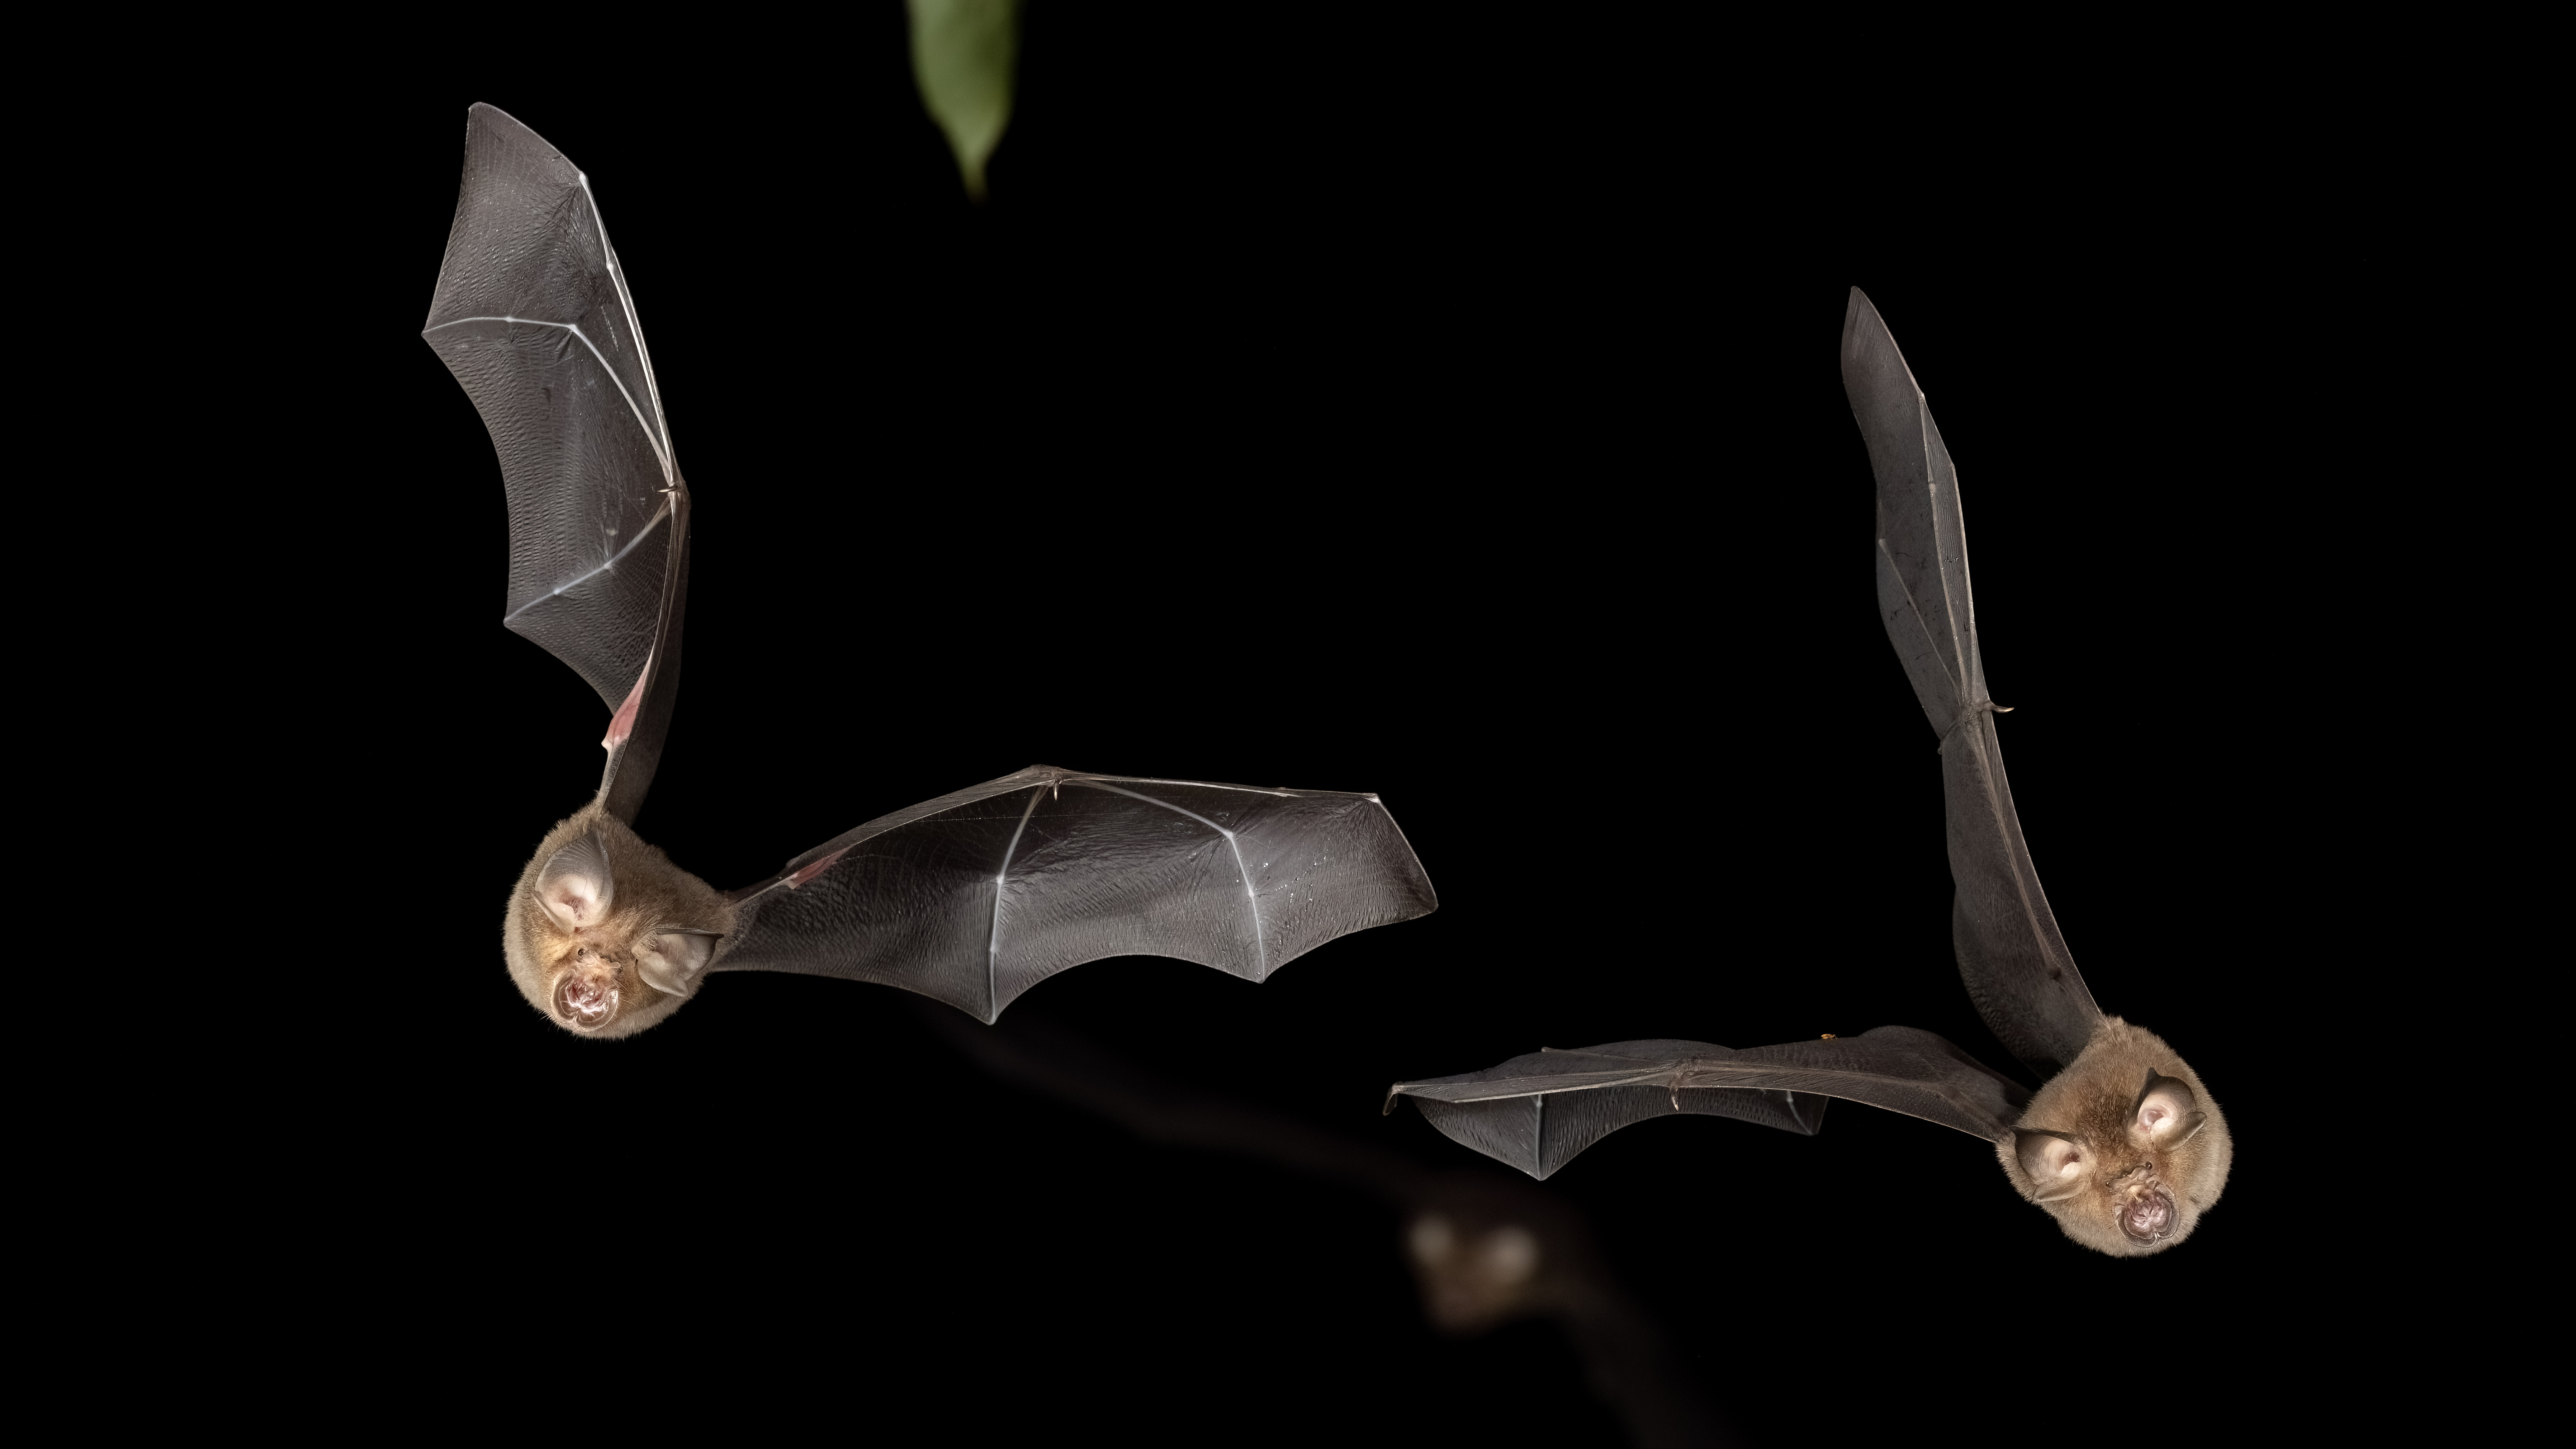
(1915, 607)
(661, 454)
(634, 324)
(993, 942)
(1260, 950)
(1203, 785)
(632, 544)
(1963, 627)
(2039, 921)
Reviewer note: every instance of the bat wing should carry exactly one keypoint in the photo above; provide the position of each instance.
(1535, 1112)
(533, 316)
(975, 897)
(2016, 965)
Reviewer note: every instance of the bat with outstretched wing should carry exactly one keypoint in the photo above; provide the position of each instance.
(2123, 1144)
(971, 898)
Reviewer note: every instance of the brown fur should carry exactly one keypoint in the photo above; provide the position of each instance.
(650, 894)
(2091, 1101)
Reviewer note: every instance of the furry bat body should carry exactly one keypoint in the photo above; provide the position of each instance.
(970, 899)
(2123, 1146)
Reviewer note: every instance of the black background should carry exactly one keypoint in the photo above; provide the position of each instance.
(1451, 414)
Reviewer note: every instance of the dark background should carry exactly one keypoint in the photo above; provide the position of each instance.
(1451, 414)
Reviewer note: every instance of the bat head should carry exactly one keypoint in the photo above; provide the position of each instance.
(603, 934)
(1474, 1275)
(2125, 1148)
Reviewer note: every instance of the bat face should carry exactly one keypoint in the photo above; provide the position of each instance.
(2125, 1148)
(1474, 1275)
(603, 934)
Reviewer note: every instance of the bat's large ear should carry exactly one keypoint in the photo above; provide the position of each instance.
(669, 961)
(2054, 1163)
(2167, 1114)
(575, 887)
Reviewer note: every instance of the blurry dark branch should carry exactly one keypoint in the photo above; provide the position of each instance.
(1485, 1249)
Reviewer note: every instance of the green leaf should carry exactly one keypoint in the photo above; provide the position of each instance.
(965, 54)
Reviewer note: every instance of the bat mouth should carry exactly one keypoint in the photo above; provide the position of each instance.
(2149, 1217)
(585, 1003)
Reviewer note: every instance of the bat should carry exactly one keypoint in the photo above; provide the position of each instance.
(970, 899)
(2123, 1144)
(1484, 1250)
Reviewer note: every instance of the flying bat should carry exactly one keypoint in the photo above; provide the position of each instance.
(971, 898)
(1485, 1250)
(2124, 1145)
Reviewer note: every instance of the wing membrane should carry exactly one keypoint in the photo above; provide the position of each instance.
(533, 316)
(1537, 1112)
(2011, 954)
(975, 897)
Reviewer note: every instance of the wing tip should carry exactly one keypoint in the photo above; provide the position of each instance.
(1864, 331)
(1858, 313)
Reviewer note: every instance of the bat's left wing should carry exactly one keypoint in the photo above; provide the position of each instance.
(975, 897)
(533, 316)
(1536, 1112)
(2012, 957)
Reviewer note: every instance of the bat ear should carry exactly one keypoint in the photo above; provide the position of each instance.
(575, 886)
(2054, 1163)
(2167, 1114)
(669, 961)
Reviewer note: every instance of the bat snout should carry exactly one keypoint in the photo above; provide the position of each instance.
(2149, 1215)
(585, 999)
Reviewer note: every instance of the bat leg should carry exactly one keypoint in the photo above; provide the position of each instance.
(798, 880)
(622, 723)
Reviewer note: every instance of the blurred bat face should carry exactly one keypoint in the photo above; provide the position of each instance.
(1473, 1275)
(603, 934)
(2125, 1148)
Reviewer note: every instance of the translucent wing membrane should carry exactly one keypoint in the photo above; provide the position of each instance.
(1536, 1112)
(534, 318)
(2011, 954)
(975, 897)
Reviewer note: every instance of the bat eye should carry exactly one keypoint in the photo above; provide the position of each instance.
(583, 1002)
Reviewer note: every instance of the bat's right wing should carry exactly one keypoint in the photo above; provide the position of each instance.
(975, 897)
(2016, 965)
(1536, 1112)
(533, 316)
